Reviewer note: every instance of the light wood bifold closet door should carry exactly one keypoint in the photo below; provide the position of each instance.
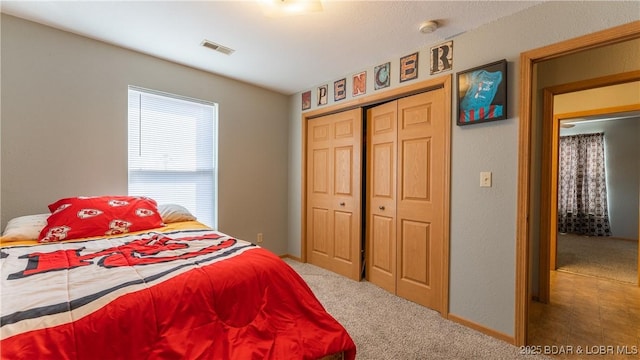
(405, 201)
(334, 168)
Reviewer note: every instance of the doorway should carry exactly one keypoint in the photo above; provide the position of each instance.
(601, 239)
(584, 304)
(553, 99)
(527, 220)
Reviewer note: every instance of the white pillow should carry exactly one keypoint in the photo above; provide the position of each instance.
(171, 213)
(26, 227)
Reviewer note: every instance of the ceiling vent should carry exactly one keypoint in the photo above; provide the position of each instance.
(217, 47)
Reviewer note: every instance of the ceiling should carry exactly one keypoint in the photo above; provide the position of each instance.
(287, 54)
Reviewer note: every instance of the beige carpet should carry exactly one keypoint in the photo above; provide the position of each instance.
(384, 326)
(603, 257)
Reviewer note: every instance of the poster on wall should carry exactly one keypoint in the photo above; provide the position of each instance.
(482, 93)
(409, 67)
(381, 76)
(360, 83)
(306, 100)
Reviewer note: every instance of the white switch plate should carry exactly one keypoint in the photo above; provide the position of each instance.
(485, 179)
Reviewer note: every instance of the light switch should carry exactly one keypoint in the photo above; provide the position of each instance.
(485, 179)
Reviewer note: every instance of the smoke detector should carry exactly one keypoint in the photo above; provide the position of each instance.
(428, 27)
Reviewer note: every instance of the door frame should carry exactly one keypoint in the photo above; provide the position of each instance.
(443, 82)
(550, 169)
(527, 92)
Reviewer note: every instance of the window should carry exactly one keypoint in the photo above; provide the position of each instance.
(173, 151)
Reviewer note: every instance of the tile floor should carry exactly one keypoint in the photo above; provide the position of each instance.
(601, 316)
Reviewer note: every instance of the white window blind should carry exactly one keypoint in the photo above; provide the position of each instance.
(173, 151)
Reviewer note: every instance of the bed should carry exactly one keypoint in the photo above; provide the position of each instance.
(177, 290)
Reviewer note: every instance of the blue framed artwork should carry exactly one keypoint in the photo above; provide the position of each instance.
(482, 93)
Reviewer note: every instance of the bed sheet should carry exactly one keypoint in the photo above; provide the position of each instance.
(179, 292)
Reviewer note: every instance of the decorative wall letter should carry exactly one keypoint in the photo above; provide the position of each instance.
(409, 67)
(360, 83)
(340, 89)
(306, 100)
(381, 76)
(442, 57)
(323, 94)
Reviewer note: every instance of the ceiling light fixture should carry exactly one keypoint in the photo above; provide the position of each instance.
(428, 27)
(290, 7)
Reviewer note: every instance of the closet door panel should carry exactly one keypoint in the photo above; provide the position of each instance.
(382, 268)
(320, 175)
(334, 192)
(383, 160)
(381, 196)
(414, 249)
(319, 226)
(319, 190)
(420, 200)
(416, 156)
(343, 222)
(343, 172)
(347, 169)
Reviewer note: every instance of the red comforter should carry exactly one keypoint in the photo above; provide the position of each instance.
(188, 294)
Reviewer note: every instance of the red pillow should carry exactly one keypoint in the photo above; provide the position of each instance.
(80, 217)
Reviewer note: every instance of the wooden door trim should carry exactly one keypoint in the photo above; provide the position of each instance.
(549, 166)
(527, 60)
(378, 98)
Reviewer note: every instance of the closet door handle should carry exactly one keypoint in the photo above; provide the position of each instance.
(381, 207)
(342, 203)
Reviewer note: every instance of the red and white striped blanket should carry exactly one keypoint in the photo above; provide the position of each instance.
(182, 294)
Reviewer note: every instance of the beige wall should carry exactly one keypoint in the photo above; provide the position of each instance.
(483, 220)
(598, 98)
(64, 128)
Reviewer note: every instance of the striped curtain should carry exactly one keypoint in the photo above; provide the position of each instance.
(582, 198)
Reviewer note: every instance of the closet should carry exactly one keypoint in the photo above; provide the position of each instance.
(334, 168)
(377, 193)
(405, 198)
